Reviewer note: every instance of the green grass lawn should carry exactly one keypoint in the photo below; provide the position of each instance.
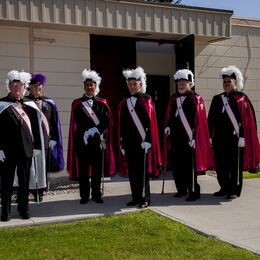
(248, 175)
(140, 235)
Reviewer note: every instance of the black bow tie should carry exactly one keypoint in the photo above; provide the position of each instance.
(37, 98)
(88, 98)
(20, 101)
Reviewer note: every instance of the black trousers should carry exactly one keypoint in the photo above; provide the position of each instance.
(90, 158)
(181, 162)
(135, 161)
(22, 164)
(230, 179)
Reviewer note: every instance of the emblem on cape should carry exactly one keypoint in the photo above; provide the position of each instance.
(201, 106)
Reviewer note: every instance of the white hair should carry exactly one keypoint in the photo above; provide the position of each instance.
(137, 74)
(233, 70)
(92, 75)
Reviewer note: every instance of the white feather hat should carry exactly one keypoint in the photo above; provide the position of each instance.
(234, 72)
(137, 74)
(88, 74)
(22, 76)
(184, 74)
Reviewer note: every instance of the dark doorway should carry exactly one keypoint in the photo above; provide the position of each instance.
(184, 51)
(158, 87)
(109, 56)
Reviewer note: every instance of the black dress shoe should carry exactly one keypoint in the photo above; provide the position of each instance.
(144, 204)
(219, 193)
(193, 197)
(98, 200)
(180, 194)
(231, 197)
(83, 201)
(25, 215)
(5, 218)
(132, 203)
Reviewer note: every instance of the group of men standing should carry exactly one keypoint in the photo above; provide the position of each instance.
(188, 138)
(30, 141)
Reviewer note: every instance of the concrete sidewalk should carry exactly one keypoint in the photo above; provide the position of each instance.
(236, 222)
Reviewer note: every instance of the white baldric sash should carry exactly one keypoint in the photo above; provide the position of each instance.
(230, 114)
(135, 118)
(43, 117)
(18, 109)
(183, 118)
(4, 105)
(90, 112)
(38, 166)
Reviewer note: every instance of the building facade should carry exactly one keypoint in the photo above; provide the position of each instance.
(60, 38)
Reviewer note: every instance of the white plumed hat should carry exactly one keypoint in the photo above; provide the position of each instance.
(184, 74)
(234, 73)
(22, 76)
(137, 74)
(88, 74)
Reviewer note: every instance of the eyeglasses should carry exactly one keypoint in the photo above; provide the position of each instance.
(17, 84)
(226, 81)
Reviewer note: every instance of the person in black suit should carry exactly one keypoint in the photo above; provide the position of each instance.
(90, 119)
(51, 134)
(16, 144)
(233, 131)
(187, 136)
(139, 142)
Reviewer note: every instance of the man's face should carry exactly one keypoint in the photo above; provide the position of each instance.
(17, 89)
(36, 90)
(184, 86)
(134, 86)
(229, 84)
(89, 87)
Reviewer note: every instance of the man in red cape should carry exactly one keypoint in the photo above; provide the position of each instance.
(187, 136)
(138, 138)
(90, 144)
(233, 131)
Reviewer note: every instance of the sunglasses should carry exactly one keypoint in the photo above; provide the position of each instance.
(226, 81)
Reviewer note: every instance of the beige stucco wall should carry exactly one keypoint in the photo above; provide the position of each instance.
(61, 61)
(14, 52)
(242, 50)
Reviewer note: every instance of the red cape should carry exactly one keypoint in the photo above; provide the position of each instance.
(72, 160)
(252, 148)
(203, 151)
(154, 157)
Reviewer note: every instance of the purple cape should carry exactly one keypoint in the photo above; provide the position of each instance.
(56, 162)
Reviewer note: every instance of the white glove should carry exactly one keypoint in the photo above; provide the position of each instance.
(192, 143)
(122, 150)
(92, 131)
(52, 143)
(85, 137)
(146, 146)
(36, 152)
(103, 145)
(167, 130)
(2, 156)
(241, 142)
